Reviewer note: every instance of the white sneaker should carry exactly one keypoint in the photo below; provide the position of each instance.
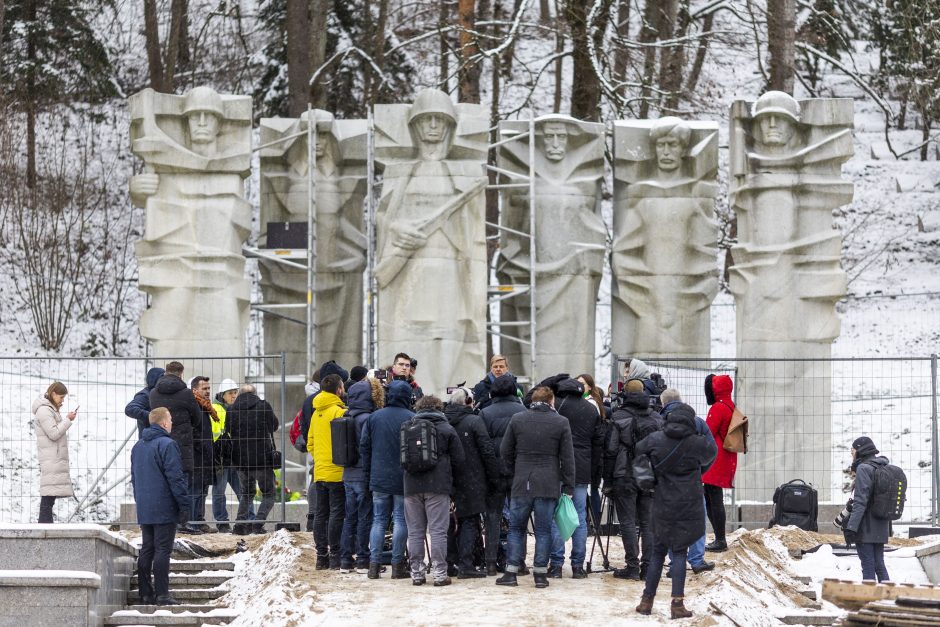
(346, 571)
(362, 570)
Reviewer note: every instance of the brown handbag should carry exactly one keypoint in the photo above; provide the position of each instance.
(736, 439)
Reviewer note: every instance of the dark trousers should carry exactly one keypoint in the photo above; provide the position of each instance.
(468, 537)
(154, 557)
(715, 509)
(872, 557)
(251, 480)
(495, 504)
(198, 490)
(45, 508)
(328, 525)
(635, 508)
(676, 570)
(357, 525)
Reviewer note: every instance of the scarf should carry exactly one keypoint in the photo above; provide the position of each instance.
(206, 406)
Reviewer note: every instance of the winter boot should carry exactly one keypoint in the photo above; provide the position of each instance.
(491, 570)
(242, 529)
(677, 609)
(470, 574)
(508, 579)
(577, 572)
(554, 572)
(224, 528)
(335, 561)
(374, 570)
(645, 607)
(703, 567)
(258, 529)
(400, 571)
(541, 580)
(442, 582)
(717, 546)
(323, 562)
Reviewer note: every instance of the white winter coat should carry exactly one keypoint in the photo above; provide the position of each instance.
(51, 426)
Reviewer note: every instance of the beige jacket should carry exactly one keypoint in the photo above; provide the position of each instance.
(53, 446)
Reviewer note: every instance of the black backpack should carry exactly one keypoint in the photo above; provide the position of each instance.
(796, 503)
(888, 492)
(344, 441)
(418, 445)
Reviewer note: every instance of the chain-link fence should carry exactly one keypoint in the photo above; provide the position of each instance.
(804, 414)
(100, 439)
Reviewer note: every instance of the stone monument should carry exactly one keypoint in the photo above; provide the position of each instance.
(570, 242)
(196, 150)
(340, 187)
(664, 260)
(786, 159)
(431, 245)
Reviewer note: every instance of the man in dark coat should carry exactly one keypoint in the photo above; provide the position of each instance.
(203, 454)
(587, 436)
(870, 534)
(161, 495)
(379, 450)
(483, 391)
(633, 421)
(679, 455)
(537, 447)
(139, 407)
(251, 423)
(479, 471)
(496, 416)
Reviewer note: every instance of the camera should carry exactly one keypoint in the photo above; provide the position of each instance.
(381, 375)
(842, 519)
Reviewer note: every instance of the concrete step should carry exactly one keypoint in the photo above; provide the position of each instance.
(184, 594)
(194, 580)
(195, 566)
(188, 607)
(185, 619)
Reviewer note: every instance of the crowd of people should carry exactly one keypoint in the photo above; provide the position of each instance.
(494, 461)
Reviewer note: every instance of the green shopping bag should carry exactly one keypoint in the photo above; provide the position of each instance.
(566, 517)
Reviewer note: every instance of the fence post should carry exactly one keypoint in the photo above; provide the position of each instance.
(283, 438)
(935, 446)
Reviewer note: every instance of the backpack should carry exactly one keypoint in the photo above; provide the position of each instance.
(344, 442)
(736, 438)
(796, 503)
(295, 433)
(418, 445)
(888, 492)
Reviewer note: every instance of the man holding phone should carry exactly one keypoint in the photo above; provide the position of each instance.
(402, 371)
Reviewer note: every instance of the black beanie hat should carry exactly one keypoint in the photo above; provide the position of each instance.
(864, 447)
(331, 367)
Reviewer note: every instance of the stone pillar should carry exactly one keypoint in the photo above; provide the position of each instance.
(340, 181)
(431, 244)
(197, 152)
(786, 159)
(570, 242)
(664, 270)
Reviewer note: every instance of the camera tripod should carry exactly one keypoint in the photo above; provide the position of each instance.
(599, 542)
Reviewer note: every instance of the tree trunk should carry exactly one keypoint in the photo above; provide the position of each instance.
(184, 56)
(173, 45)
(444, 49)
(648, 34)
(469, 82)
(510, 51)
(152, 37)
(925, 136)
(319, 9)
(902, 112)
(559, 60)
(3, 10)
(668, 10)
(378, 46)
(31, 102)
(673, 71)
(700, 54)
(297, 25)
(621, 52)
(781, 38)
(545, 12)
(585, 88)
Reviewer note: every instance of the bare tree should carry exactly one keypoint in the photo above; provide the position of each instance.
(585, 88)
(161, 60)
(297, 25)
(319, 9)
(781, 43)
(469, 75)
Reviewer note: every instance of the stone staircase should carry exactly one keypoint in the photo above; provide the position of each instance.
(196, 584)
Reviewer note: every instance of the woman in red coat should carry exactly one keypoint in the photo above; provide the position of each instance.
(721, 474)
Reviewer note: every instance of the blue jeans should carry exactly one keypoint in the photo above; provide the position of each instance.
(872, 557)
(384, 508)
(579, 537)
(357, 525)
(676, 570)
(227, 476)
(519, 510)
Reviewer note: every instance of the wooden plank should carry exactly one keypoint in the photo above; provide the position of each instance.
(853, 595)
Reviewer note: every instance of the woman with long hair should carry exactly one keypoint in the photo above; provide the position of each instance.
(592, 394)
(53, 445)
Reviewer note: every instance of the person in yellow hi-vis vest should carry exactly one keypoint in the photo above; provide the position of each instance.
(327, 476)
(225, 474)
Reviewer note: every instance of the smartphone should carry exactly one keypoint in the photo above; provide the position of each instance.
(381, 375)
(620, 386)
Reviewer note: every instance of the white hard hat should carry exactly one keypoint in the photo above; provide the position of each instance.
(227, 385)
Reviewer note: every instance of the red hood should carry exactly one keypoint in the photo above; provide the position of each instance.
(722, 387)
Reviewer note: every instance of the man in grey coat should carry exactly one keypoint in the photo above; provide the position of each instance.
(869, 533)
(537, 447)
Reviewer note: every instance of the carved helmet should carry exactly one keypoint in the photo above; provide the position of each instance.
(203, 99)
(323, 118)
(779, 103)
(432, 101)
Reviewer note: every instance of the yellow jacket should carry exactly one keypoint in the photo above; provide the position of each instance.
(326, 408)
(218, 427)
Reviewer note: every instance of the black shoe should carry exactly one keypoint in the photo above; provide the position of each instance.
(196, 531)
(167, 601)
(323, 563)
(452, 570)
(442, 582)
(224, 528)
(703, 567)
(419, 581)
(541, 580)
(577, 572)
(717, 546)
(471, 574)
(508, 579)
(334, 562)
(632, 574)
(204, 528)
(258, 529)
(400, 571)
(148, 600)
(491, 570)
(554, 572)
(242, 529)
(374, 570)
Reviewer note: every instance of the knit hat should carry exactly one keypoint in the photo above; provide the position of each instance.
(864, 447)
(634, 386)
(358, 373)
(331, 367)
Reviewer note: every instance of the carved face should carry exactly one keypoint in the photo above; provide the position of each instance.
(776, 130)
(669, 150)
(432, 128)
(203, 127)
(555, 141)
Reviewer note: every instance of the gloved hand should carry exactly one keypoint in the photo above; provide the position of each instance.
(851, 537)
(569, 491)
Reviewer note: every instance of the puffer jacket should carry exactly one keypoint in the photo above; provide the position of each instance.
(51, 427)
(718, 393)
(160, 488)
(380, 444)
(139, 407)
(869, 530)
(327, 407)
(251, 423)
(362, 399)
